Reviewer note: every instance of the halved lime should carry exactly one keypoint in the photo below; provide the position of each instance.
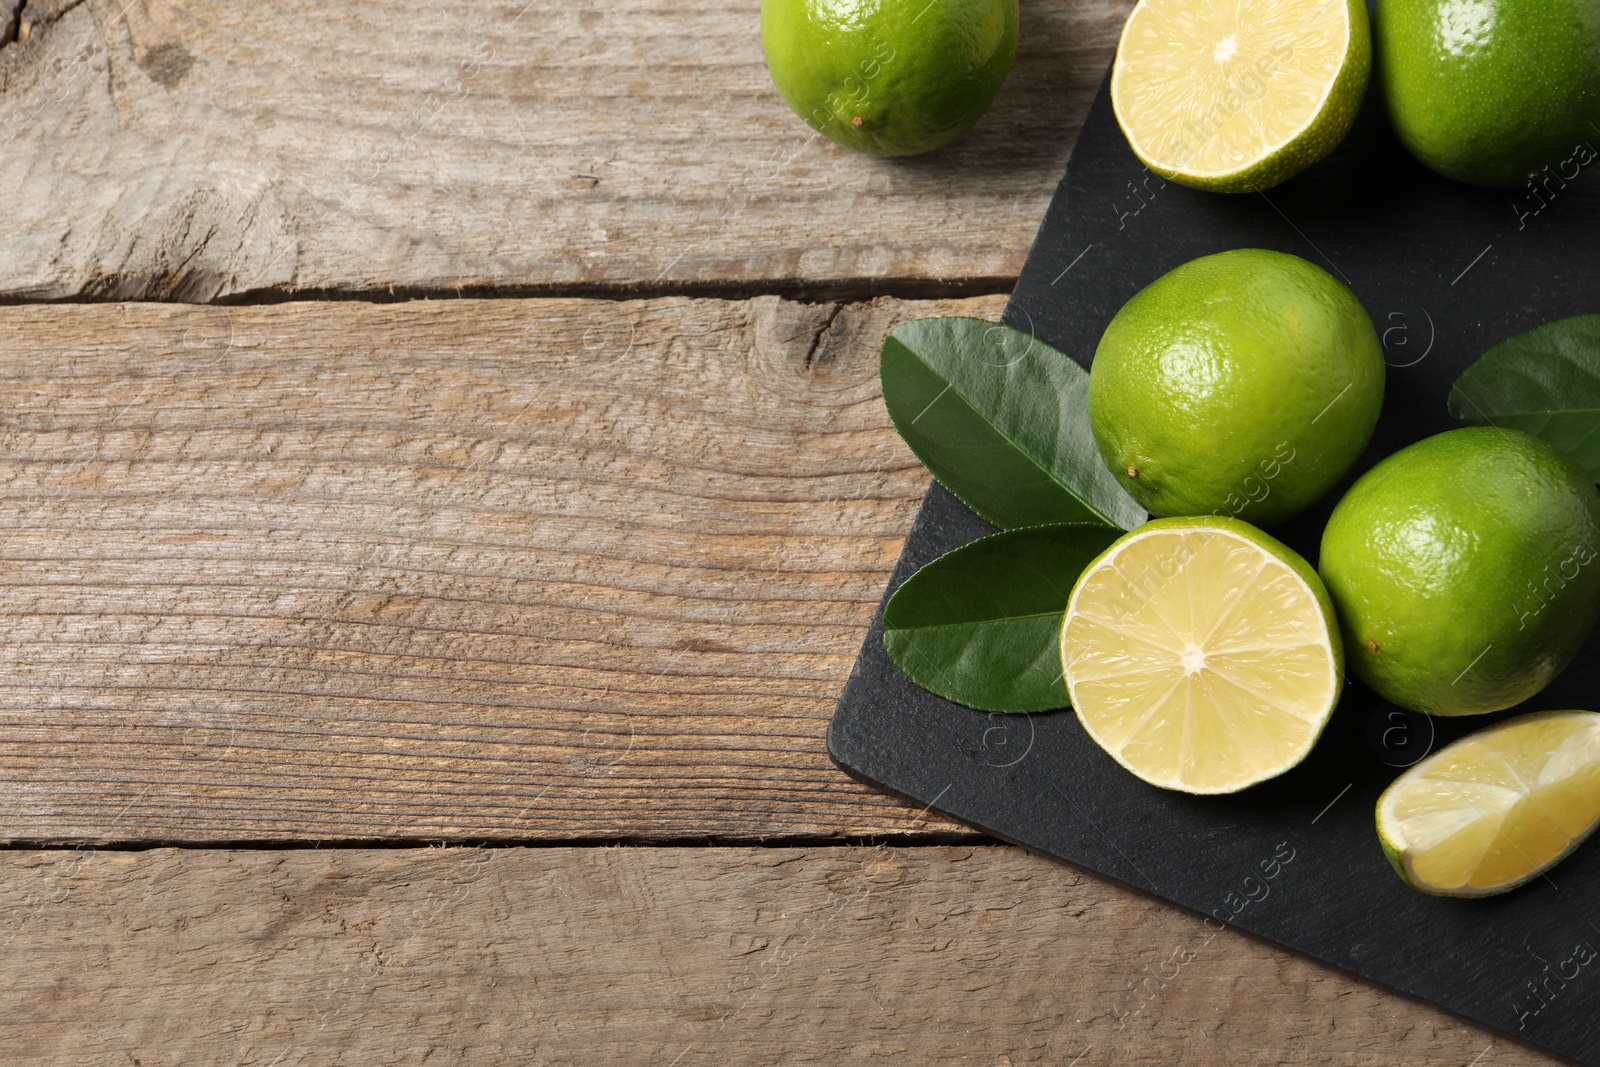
(1201, 654)
(1497, 808)
(1236, 96)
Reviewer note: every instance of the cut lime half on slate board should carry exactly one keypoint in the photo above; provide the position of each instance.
(1446, 271)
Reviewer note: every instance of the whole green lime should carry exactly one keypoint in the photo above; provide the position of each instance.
(1242, 384)
(1464, 570)
(889, 77)
(1492, 92)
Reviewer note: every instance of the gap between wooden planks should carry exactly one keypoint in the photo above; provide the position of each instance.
(197, 150)
(515, 570)
(677, 956)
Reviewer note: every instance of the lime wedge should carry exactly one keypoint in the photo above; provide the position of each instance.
(1201, 654)
(1238, 96)
(1497, 808)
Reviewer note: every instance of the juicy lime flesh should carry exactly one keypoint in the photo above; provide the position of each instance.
(1465, 570)
(1492, 93)
(1239, 95)
(1200, 655)
(1498, 807)
(1241, 384)
(889, 77)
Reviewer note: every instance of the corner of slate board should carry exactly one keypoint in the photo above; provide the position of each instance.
(1446, 271)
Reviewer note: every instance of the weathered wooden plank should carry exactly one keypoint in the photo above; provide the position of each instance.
(10, 10)
(153, 150)
(442, 569)
(664, 956)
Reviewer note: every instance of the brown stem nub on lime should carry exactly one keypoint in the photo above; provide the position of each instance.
(889, 77)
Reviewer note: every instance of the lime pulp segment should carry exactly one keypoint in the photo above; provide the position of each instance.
(1497, 808)
(1199, 657)
(1236, 95)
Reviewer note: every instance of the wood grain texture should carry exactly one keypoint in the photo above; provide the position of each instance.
(156, 150)
(662, 956)
(442, 569)
(10, 10)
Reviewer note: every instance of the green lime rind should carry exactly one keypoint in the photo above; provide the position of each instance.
(1242, 384)
(889, 77)
(1495, 94)
(1465, 570)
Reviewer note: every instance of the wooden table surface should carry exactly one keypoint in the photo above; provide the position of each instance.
(446, 426)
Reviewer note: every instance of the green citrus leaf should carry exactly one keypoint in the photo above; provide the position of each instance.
(1545, 382)
(1002, 420)
(981, 625)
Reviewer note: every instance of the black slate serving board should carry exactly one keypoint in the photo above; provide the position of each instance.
(1446, 271)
